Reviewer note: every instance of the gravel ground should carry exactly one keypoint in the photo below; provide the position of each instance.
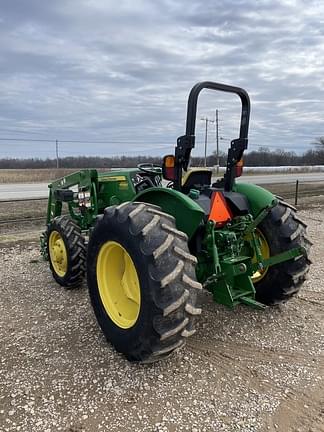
(244, 370)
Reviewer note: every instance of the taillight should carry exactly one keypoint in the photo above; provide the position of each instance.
(168, 167)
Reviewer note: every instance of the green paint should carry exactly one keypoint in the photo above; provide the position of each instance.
(105, 189)
(282, 257)
(258, 197)
(225, 257)
(222, 266)
(114, 188)
(187, 212)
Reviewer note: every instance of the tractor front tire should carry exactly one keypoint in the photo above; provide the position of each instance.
(282, 230)
(141, 280)
(66, 252)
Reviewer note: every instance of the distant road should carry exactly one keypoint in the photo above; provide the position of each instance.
(40, 190)
(282, 178)
(23, 190)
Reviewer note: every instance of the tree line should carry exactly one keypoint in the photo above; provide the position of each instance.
(263, 156)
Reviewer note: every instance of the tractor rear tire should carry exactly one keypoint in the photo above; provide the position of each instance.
(66, 252)
(141, 280)
(283, 230)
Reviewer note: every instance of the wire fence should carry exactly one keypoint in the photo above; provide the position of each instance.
(294, 191)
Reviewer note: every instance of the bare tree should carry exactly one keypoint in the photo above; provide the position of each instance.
(319, 141)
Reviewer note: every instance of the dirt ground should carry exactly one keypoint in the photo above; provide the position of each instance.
(244, 370)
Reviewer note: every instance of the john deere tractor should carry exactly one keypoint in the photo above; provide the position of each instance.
(148, 249)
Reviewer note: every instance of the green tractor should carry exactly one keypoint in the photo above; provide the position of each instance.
(148, 249)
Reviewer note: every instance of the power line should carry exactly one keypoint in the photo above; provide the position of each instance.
(276, 146)
(217, 140)
(118, 141)
(27, 139)
(153, 145)
(77, 141)
(119, 153)
(128, 141)
(21, 131)
(57, 154)
(206, 120)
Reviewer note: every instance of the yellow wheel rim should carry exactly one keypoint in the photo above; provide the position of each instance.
(265, 252)
(118, 284)
(58, 254)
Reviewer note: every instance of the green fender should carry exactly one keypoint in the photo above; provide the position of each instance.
(258, 197)
(188, 214)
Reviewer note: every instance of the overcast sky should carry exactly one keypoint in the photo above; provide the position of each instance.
(100, 70)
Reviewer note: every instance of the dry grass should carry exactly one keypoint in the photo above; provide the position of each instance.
(287, 190)
(36, 175)
(50, 174)
(23, 210)
(32, 175)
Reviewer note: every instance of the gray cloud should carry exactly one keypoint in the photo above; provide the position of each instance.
(97, 70)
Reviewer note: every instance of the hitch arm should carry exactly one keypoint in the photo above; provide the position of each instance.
(282, 257)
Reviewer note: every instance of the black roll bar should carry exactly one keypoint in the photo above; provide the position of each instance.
(186, 142)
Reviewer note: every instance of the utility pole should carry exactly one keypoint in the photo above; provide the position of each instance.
(57, 153)
(206, 120)
(217, 143)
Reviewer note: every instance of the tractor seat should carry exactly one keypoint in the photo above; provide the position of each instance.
(195, 178)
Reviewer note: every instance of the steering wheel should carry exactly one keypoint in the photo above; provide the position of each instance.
(150, 168)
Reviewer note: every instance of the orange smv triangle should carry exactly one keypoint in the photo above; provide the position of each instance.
(219, 211)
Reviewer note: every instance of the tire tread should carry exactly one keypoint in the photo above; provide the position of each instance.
(171, 278)
(284, 230)
(76, 250)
